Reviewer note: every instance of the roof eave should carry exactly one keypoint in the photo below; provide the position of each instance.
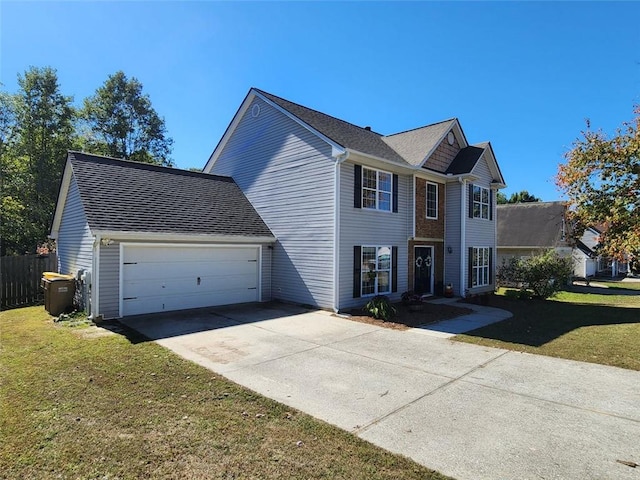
(463, 143)
(63, 191)
(182, 237)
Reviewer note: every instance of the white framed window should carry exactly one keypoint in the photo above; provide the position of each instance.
(377, 189)
(431, 195)
(481, 203)
(375, 272)
(480, 266)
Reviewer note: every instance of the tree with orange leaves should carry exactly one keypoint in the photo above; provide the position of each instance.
(601, 178)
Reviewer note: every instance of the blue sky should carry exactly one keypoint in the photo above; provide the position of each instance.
(522, 75)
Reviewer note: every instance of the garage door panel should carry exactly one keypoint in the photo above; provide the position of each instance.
(165, 278)
(173, 286)
(187, 270)
(153, 254)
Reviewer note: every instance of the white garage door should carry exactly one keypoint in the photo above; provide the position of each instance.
(158, 278)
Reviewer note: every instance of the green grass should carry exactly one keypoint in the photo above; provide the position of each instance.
(589, 327)
(79, 404)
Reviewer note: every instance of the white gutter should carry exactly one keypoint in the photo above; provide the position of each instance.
(463, 227)
(413, 209)
(95, 278)
(179, 237)
(340, 158)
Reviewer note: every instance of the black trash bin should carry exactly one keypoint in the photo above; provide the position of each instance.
(58, 294)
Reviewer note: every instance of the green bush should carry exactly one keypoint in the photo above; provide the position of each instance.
(543, 274)
(379, 307)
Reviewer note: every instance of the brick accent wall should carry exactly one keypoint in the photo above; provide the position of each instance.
(442, 157)
(426, 227)
(438, 264)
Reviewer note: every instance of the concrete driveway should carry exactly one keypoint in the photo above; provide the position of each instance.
(467, 411)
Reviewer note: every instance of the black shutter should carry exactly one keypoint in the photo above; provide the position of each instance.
(394, 201)
(491, 272)
(491, 193)
(470, 269)
(394, 269)
(357, 266)
(471, 200)
(357, 187)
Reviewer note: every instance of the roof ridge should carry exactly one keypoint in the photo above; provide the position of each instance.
(423, 126)
(149, 166)
(318, 111)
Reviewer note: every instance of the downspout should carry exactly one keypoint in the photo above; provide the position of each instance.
(340, 158)
(95, 275)
(463, 228)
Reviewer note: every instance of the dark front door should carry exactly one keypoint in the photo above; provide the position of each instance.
(423, 267)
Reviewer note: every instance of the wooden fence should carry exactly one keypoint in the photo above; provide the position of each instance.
(20, 279)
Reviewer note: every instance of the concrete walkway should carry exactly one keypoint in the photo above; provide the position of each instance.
(467, 411)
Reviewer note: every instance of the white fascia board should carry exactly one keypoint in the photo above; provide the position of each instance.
(62, 199)
(178, 237)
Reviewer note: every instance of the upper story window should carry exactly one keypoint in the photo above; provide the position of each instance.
(432, 200)
(481, 202)
(377, 189)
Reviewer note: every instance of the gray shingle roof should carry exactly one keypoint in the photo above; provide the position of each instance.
(465, 160)
(343, 133)
(120, 195)
(414, 145)
(533, 224)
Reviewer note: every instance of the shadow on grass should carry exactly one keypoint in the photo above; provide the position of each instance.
(537, 322)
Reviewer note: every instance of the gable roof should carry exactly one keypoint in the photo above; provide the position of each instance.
(125, 196)
(416, 145)
(343, 133)
(409, 149)
(465, 160)
(532, 224)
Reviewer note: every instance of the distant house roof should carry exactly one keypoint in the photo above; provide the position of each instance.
(532, 224)
(119, 195)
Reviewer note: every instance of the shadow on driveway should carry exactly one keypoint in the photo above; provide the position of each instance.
(156, 326)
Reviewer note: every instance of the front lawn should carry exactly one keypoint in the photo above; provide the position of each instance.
(598, 327)
(78, 402)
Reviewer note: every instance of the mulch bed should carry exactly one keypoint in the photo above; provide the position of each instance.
(406, 318)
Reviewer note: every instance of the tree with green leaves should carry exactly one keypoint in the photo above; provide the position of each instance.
(520, 197)
(601, 178)
(37, 129)
(122, 123)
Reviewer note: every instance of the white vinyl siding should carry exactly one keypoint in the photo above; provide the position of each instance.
(480, 231)
(365, 227)
(454, 195)
(109, 281)
(287, 173)
(75, 241)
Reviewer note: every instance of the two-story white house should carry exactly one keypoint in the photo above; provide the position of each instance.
(356, 213)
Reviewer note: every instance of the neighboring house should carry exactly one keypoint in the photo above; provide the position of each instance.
(356, 213)
(588, 263)
(148, 239)
(528, 229)
(532, 228)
